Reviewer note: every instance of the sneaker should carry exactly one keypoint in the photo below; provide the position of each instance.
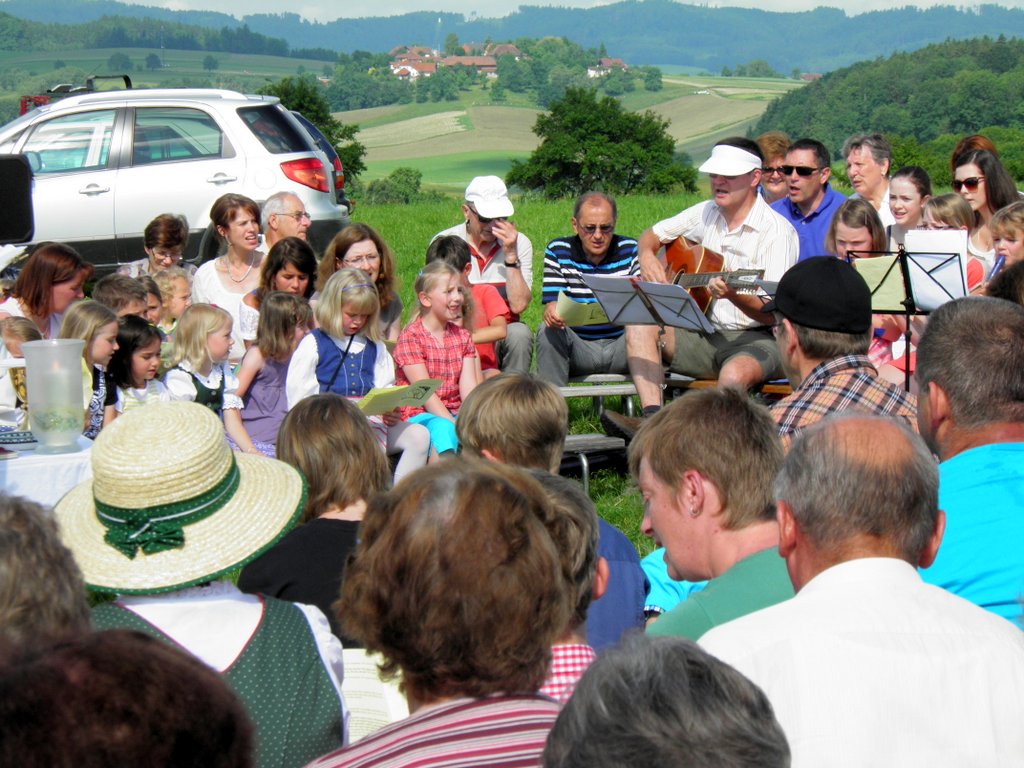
(619, 425)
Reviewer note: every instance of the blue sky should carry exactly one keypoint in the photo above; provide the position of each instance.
(328, 10)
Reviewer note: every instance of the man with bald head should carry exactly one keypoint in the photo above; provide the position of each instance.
(867, 664)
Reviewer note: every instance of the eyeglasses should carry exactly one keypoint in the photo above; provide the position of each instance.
(935, 226)
(166, 255)
(591, 229)
(768, 170)
(801, 170)
(298, 215)
(366, 258)
(483, 220)
(971, 183)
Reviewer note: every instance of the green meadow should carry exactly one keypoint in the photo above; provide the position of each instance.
(408, 230)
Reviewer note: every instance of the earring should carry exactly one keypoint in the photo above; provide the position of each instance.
(694, 512)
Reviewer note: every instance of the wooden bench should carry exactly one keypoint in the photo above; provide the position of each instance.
(598, 386)
(678, 384)
(583, 448)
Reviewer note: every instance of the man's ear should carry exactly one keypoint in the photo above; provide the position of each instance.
(789, 339)
(938, 407)
(787, 528)
(931, 549)
(601, 575)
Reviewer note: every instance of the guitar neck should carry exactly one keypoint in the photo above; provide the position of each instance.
(700, 279)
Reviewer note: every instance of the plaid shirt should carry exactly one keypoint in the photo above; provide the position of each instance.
(844, 383)
(568, 663)
(443, 360)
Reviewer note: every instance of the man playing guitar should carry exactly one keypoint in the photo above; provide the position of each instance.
(740, 226)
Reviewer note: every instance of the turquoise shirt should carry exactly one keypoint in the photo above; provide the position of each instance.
(981, 557)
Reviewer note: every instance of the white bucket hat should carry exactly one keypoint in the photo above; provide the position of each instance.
(727, 160)
(171, 505)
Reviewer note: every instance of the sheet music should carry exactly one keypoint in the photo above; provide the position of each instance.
(938, 266)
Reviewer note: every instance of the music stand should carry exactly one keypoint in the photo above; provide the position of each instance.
(914, 283)
(631, 301)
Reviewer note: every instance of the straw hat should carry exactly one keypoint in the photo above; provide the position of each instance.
(170, 505)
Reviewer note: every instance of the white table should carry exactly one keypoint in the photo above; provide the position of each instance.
(45, 478)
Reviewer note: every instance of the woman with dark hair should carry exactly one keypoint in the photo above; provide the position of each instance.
(290, 267)
(164, 241)
(360, 246)
(981, 180)
(49, 283)
(226, 279)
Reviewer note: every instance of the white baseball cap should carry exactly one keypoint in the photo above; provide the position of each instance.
(489, 197)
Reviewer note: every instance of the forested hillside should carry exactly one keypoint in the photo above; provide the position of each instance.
(921, 100)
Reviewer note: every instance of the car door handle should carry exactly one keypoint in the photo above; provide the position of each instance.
(93, 189)
(221, 178)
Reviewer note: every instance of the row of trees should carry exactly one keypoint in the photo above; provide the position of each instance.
(119, 32)
(122, 62)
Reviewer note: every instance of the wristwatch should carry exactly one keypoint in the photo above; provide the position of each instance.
(513, 264)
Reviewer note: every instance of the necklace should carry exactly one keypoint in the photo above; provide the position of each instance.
(227, 263)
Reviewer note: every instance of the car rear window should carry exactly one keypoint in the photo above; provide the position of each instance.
(275, 132)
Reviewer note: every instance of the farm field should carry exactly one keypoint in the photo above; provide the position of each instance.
(452, 141)
(176, 65)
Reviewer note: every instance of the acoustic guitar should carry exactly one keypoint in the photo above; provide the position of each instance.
(693, 267)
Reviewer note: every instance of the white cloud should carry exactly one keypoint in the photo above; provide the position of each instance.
(325, 11)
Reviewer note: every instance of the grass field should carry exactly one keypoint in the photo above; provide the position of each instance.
(408, 230)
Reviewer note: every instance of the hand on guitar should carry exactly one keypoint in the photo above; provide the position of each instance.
(651, 268)
(551, 317)
(719, 289)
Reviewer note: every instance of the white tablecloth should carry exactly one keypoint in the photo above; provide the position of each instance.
(45, 478)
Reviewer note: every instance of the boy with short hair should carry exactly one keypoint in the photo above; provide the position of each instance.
(517, 419)
(123, 294)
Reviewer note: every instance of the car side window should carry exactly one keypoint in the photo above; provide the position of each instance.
(76, 142)
(172, 134)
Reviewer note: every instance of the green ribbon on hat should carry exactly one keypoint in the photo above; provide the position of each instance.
(160, 528)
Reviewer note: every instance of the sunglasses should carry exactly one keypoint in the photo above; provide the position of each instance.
(971, 183)
(768, 170)
(801, 170)
(483, 220)
(591, 229)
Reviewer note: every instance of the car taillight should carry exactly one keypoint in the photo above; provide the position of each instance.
(309, 172)
(339, 175)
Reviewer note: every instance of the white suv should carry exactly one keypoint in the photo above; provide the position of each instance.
(106, 163)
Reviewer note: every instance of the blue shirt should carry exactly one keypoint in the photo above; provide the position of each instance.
(811, 229)
(981, 557)
(565, 263)
(622, 606)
